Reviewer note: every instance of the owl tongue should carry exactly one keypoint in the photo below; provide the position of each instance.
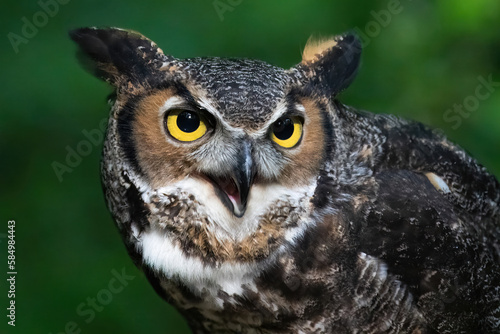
(229, 187)
(230, 194)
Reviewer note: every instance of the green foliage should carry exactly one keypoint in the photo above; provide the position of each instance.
(418, 62)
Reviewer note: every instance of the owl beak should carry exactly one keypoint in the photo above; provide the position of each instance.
(234, 189)
(243, 177)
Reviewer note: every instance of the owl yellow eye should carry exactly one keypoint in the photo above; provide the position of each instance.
(185, 125)
(287, 131)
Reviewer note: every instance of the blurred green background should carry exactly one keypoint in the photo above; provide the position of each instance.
(420, 58)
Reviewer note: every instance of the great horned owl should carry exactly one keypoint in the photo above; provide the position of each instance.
(255, 202)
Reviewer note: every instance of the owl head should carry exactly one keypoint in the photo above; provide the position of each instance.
(223, 141)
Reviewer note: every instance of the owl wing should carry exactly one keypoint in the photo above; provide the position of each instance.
(434, 221)
(413, 146)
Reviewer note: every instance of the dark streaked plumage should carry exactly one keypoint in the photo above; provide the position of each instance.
(255, 202)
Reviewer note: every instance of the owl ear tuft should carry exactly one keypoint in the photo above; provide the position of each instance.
(117, 56)
(330, 65)
(315, 47)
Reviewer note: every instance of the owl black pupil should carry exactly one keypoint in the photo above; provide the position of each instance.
(283, 128)
(188, 121)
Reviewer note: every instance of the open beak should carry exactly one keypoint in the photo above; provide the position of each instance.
(234, 189)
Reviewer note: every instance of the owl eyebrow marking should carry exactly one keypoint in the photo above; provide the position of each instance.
(300, 107)
(294, 111)
(180, 91)
(171, 103)
(183, 98)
